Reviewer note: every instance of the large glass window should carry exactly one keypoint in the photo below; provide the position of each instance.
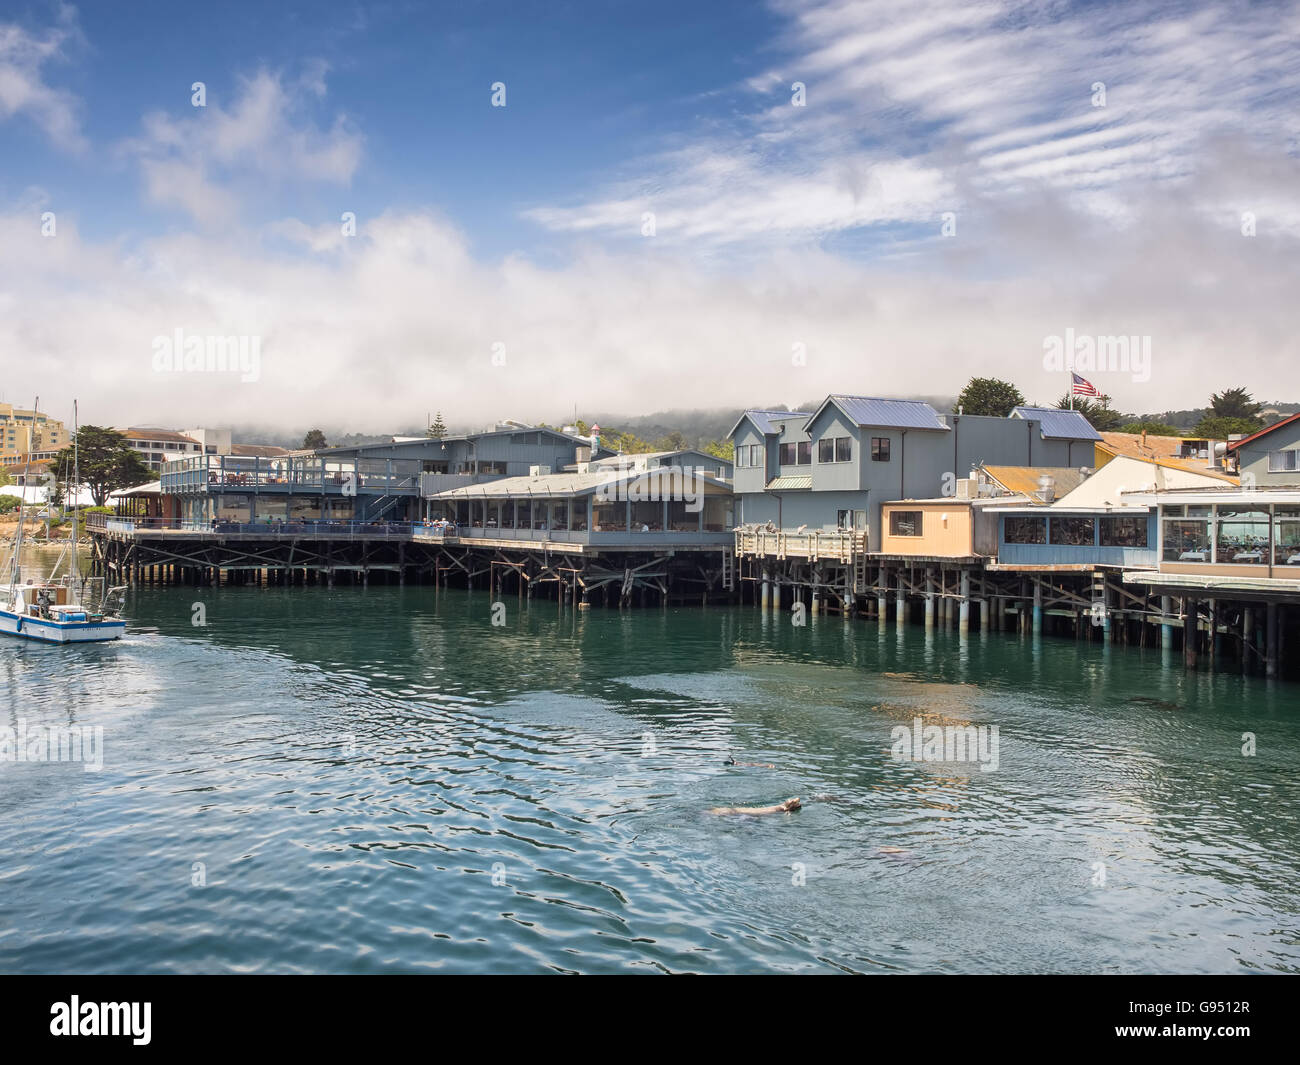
(905, 523)
(1242, 535)
(1022, 529)
(1286, 536)
(1072, 531)
(1186, 534)
(1124, 531)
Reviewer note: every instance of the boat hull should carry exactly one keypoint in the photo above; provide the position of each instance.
(40, 630)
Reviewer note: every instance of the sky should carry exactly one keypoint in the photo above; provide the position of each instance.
(525, 210)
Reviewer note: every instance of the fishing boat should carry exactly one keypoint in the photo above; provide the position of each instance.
(59, 609)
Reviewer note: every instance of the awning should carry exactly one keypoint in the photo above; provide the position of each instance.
(786, 484)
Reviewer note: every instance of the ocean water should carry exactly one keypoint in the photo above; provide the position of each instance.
(381, 780)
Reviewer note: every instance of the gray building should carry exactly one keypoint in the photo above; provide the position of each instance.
(371, 482)
(1271, 456)
(836, 466)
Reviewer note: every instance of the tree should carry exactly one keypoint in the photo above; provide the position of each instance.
(989, 396)
(723, 449)
(437, 430)
(1219, 428)
(314, 439)
(1152, 428)
(1235, 403)
(1097, 412)
(104, 460)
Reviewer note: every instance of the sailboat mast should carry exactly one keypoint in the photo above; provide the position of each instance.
(15, 563)
(75, 486)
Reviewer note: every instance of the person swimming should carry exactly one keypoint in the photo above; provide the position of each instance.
(748, 765)
(789, 806)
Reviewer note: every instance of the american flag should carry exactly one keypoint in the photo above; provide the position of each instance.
(1080, 387)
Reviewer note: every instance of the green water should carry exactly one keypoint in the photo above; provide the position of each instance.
(375, 780)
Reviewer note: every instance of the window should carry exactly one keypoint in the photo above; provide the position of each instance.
(805, 452)
(1121, 531)
(835, 449)
(1286, 536)
(799, 454)
(880, 449)
(1282, 461)
(905, 523)
(1242, 535)
(1024, 530)
(755, 455)
(742, 453)
(787, 454)
(1186, 534)
(1073, 532)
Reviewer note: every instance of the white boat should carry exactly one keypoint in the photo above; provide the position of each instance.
(52, 612)
(58, 609)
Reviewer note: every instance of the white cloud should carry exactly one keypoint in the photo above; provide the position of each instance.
(989, 98)
(201, 160)
(24, 89)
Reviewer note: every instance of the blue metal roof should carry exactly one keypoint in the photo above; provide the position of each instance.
(763, 419)
(1059, 424)
(886, 413)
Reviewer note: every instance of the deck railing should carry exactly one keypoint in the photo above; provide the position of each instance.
(839, 545)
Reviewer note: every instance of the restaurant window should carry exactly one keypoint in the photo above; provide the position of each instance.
(1286, 536)
(1123, 531)
(1283, 461)
(905, 523)
(1024, 530)
(1186, 534)
(1242, 535)
(880, 449)
(1072, 532)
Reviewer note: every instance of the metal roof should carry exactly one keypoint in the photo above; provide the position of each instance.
(1058, 424)
(559, 485)
(885, 413)
(790, 483)
(763, 419)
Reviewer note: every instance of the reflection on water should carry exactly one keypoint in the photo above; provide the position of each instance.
(381, 780)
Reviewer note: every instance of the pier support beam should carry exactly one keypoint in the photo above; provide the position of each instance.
(1271, 640)
(963, 613)
(1038, 608)
(1191, 631)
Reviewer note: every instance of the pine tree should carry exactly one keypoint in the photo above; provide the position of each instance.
(437, 430)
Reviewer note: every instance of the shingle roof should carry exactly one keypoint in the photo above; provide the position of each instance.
(1058, 424)
(885, 413)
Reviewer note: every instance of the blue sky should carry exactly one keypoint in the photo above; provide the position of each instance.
(959, 182)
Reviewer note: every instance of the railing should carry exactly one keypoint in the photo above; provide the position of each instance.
(839, 545)
(203, 473)
(596, 537)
